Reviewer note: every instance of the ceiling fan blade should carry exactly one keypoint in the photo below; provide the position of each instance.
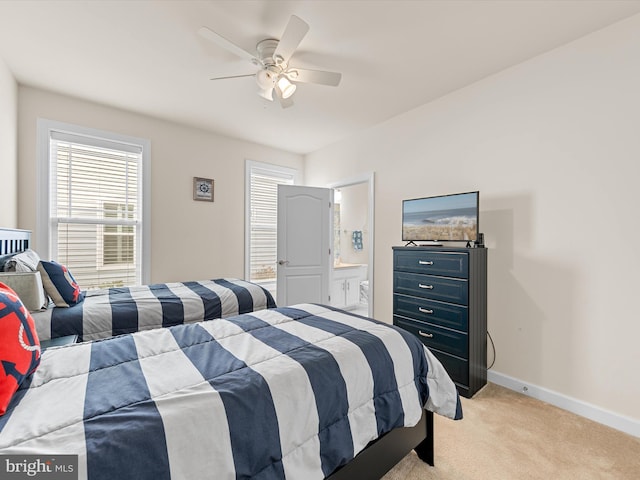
(301, 75)
(219, 40)
(291, 38)
(233, 76)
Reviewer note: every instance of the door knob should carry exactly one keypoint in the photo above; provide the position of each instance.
(283, 262)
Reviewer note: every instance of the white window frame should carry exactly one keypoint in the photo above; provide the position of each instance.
(44, 242)
(270, 169)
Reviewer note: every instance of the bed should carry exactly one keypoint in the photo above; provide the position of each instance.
(108, 312)
(292, 392)
(114, 311)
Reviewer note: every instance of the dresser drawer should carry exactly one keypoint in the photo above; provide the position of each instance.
(453, 290)
(448, 264)
(448, 341)
(457, 368)
(443, 314)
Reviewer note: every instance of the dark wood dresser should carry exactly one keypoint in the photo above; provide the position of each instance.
(440, 295)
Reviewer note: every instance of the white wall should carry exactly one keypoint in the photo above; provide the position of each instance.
(8, 148)
(189, 240)
(553, 145)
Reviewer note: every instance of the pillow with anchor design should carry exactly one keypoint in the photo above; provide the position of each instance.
(60, 284)
(19, 345)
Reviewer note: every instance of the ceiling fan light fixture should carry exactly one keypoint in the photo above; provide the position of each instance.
(265, 79)
(266, 93)
(286, 87)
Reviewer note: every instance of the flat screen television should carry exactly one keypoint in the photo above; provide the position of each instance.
(444, 218)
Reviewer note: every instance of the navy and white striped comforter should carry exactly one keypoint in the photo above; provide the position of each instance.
(114, 311)
(290, 392)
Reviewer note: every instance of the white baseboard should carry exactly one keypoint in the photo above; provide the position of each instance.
(587, 410)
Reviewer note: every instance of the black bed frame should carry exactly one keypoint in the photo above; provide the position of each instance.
(371, 463)
(382, 454)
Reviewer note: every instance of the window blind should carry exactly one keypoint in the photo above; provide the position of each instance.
(95, 209)
(263, 223)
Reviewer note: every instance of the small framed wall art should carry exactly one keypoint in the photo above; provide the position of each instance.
(203, 189)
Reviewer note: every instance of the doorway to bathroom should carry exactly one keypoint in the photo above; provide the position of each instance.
(352, 272)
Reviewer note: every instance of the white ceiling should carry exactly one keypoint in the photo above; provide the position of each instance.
(145, 56)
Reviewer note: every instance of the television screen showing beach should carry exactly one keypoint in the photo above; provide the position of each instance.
(451, 218)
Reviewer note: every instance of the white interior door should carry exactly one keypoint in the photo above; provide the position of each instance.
(304, 236)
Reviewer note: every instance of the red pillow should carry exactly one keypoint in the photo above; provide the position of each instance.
(19, 345)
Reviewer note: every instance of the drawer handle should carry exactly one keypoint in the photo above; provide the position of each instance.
(424, 310)
(424, 262)
(428, 287)
(422, 334)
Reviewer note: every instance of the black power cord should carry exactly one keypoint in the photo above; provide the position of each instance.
(493, 347)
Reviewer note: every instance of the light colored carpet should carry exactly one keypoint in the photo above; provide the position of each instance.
(507, 435)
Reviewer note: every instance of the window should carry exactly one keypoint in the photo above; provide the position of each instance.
(93, 206)
(118, 241)
(261, 193)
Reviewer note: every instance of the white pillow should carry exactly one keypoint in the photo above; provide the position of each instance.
(26, 261)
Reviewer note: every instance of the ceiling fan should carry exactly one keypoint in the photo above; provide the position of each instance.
(272, 59)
